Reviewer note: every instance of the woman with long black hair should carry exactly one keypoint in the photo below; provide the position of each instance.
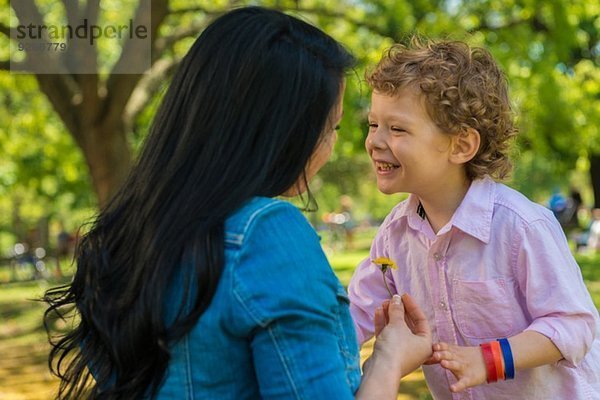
(194, 282)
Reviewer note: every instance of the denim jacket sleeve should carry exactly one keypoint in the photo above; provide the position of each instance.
(294, 310)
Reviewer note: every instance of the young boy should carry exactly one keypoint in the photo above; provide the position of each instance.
(484, 262)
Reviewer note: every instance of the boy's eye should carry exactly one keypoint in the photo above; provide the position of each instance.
(397, 129)
(372, 125)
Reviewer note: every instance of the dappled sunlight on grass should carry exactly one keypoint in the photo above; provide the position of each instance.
(590, 269)
(344, 264)
(23, 345)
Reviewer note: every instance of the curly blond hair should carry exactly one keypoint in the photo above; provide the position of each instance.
(463, 87)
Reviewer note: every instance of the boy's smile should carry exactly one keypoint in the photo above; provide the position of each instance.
(384, 167)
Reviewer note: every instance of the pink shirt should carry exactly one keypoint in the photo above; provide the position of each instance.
(501, 266)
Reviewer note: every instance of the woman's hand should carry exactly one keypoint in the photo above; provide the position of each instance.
(403, 344)
(403, 333)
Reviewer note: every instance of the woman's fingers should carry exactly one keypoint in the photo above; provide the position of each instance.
(386, 305)
(441, 346)
(419, 324)
(396, 310)
(431, 361)
(380, 320)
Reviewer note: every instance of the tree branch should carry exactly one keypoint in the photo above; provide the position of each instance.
(27, 12)
(71, 10)
(322, 11)
(232, 3)
(63, 94)
(166, 42)
(196, 9)
(60, 89)
(147, 87)
(88, 57)
(119, 85)
(5, 30)
(7, 65)
(536, 23)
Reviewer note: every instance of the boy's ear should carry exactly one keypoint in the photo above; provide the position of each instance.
(464, 146)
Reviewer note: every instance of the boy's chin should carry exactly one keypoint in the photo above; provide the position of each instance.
(387, 189)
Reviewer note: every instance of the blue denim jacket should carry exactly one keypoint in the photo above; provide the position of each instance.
(278, 326)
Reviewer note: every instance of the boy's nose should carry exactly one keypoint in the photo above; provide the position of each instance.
(375, 140)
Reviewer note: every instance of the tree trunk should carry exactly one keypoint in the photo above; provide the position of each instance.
(595, 178)
(108, 157)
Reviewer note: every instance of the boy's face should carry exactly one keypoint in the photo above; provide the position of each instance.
(409, 152)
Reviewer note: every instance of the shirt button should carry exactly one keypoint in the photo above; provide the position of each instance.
(442, 305)
(437, 256)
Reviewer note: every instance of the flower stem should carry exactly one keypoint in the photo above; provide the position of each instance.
(386, 284)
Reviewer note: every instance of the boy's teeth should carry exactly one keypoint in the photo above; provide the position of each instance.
(385, 166)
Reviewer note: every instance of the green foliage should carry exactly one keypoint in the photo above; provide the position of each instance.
(42, 173)
(550, 52)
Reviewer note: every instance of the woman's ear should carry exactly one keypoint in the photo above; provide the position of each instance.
(465, 146)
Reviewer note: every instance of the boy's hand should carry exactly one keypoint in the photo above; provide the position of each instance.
(465, 362)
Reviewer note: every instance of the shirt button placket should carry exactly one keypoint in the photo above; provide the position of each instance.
(439, 259)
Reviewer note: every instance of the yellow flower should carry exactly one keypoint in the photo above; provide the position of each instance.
(384, 263)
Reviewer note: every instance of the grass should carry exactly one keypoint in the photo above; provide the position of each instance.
(23, 345)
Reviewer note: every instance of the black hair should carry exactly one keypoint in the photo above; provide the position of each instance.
(243, 115)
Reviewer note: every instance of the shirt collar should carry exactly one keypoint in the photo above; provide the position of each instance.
(473, 216)
(411, 212)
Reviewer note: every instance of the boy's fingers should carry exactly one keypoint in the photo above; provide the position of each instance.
(461, 385)
(443, 355)
(455, 388)
(454, 366)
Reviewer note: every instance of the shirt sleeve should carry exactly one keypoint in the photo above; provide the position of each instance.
(367, 290)
(556, 296)
(290, 297)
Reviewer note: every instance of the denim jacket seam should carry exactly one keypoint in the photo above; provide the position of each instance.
(256, 213)
(253, 312)
(287, 363)
(188, 369)
(350, 359)
(233, 236)
(236, 286)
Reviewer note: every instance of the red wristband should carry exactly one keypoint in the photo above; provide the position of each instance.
(490, 365)
(497, 352)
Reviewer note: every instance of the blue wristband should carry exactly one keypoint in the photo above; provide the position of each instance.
(509, 364)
